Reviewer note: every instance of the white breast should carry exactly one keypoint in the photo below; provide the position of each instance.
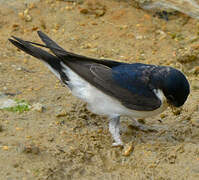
(103, 104)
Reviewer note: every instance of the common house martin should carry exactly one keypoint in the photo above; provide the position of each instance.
(112, 88)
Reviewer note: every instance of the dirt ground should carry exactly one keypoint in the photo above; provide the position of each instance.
(64, 140)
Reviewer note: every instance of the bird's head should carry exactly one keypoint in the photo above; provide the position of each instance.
(174, 85)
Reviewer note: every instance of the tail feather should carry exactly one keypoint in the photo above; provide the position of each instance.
(59, 51)
(68, 57)
(53, 62)
(52, 45)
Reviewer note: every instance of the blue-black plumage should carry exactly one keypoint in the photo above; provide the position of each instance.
(112, 88)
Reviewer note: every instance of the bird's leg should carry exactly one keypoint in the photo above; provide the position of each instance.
(114, 128)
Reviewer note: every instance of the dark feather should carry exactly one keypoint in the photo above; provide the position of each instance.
(69, 57)
(39, 53)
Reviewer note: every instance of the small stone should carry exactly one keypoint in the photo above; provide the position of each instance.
(28, 18)
(68, 8)
(139, 37)
(162, 115)
(100, 12)
(176, 111)
(18, 68)
(26, 11)
(15, 165)
(61, 113)
(7, 103)
(172, 158)
(94, 23)
(30, 149)
(187, 55)
(84, 11)
(38, 107)
(86, 46)
(128, 149)
(94, 50)
(5, 148)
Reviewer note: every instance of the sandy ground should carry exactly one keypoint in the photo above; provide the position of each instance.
(65, 141)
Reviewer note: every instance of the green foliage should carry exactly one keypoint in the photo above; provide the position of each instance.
(21, 106)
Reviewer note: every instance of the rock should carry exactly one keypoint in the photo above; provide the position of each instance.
(61, 113)
(140, 3)
(187, 55)
(94, 7)
(128, 149)
(6, 102)
(30, 149)
(38, 107)
(13, 105)
(176, 111)
(163, 115)
(84, 11)
(189, 7)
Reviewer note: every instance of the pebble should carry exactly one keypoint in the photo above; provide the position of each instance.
(187, 55)
(86, 46)
(30, 149)
(128, 149)
(84, 11)
(163, 115)
(38, 107)
(61, 113)
(5, 148)
(94, 8)
(7, 103)
(176, 111)
(139, 37)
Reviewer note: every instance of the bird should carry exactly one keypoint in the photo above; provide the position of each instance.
(111, 88)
